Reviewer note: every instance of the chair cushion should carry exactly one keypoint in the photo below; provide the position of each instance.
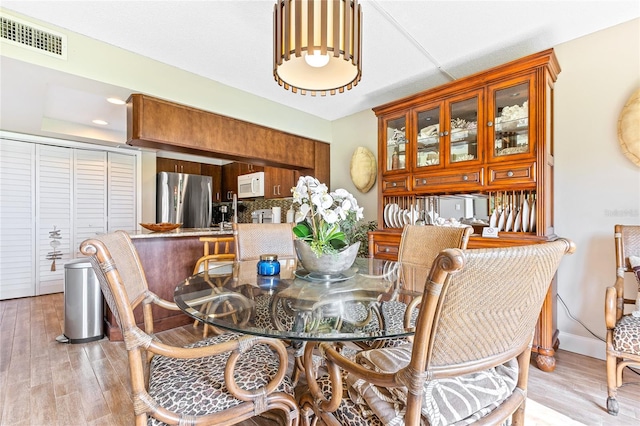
(445, 401)
(626, 335)
(197, 386)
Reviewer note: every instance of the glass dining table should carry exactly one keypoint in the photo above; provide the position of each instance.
(371, 301)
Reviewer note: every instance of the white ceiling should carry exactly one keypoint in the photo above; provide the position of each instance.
(408, 46)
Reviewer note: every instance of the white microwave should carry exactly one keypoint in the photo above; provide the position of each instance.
(251, 185)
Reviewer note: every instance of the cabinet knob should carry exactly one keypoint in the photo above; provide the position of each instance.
(394, 184)
(424, 181)
(489, 123)
(441, 133)
(386, 249)
(509, 173)
(465, 177)
(445, 133)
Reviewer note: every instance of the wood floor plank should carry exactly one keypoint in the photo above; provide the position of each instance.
(69, 410)
(43, 405)
(17, 403)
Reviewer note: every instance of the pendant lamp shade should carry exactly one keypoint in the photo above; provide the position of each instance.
(317, 45)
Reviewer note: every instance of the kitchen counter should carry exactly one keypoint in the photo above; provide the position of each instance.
(181, 232)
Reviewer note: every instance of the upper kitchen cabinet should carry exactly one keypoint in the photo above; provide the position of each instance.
(278, 182)
(177, 166)
(215, 171)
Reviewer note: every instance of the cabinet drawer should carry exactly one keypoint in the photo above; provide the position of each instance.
(458, 179)
(396, 184)
(385, 250)
(512, 174)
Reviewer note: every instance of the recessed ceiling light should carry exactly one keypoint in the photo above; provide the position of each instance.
(100, 122)
(116, 101)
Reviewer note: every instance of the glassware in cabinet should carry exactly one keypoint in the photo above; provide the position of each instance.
(510, 111)
(462, 132)
(396, 144)
(427, 153)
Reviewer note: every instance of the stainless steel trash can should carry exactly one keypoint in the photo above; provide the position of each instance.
(83, 304)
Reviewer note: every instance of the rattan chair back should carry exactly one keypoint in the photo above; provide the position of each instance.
(120, 274)
(254, 239)
(483, 314)
(420, 245)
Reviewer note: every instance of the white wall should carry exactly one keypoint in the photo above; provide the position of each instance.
(596, 186)
(347, 134)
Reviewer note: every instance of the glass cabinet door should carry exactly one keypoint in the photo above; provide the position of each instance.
(428, 132)
(463, 130)
(396, 151)
(510, 108)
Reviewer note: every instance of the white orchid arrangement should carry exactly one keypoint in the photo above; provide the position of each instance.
(324, 219)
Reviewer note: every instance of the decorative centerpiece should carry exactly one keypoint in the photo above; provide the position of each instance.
(325, 221)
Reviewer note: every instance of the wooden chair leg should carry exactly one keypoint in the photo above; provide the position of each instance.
(612, 385)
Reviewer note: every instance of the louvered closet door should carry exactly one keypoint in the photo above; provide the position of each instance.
(17, 219)
(121, 202)
(54, 176)
(90, 207)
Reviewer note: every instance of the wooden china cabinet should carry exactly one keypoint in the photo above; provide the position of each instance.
(485, 139)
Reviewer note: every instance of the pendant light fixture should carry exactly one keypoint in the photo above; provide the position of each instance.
(317, 45)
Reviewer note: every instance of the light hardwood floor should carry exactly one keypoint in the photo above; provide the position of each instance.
(43, 382)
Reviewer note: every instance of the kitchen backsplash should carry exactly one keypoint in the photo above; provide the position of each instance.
(245, 207)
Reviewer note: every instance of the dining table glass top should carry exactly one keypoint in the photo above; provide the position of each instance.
(367, 302)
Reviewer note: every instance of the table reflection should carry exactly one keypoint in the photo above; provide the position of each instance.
(231, 295)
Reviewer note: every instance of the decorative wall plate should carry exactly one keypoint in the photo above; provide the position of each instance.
(629, 128)
(363, 169)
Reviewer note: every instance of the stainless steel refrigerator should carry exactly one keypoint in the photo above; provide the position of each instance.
(183, 198)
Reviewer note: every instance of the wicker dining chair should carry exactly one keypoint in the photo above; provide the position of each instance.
(623, 330)
(419, 247)
(254, 239)
(470, 357)
(221, 380)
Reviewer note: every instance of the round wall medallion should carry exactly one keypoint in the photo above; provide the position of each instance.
(629, 128)
(364, 169)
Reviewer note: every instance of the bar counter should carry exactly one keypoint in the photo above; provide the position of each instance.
(167, 259)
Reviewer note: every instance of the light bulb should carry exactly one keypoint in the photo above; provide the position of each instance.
(316, 60)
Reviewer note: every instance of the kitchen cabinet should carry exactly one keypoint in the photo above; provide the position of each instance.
(215, 171)
(230, 173)
(488, 136)
(177, 166)
(278, 182)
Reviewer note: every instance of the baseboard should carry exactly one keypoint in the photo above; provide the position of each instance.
(582, 345)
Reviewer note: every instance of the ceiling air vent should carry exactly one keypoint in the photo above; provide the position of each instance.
(33, 37)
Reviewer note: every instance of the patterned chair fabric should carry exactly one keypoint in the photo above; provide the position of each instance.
(222, 380)
(198, 387)
(623, 329)
(469, 358)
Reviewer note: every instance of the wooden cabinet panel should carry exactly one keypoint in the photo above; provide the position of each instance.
(458, 180)
(215, 171)
(508, 175)
(396, 184)
(384, 245)
(278, 182)
(230, 173)
(177, 166)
